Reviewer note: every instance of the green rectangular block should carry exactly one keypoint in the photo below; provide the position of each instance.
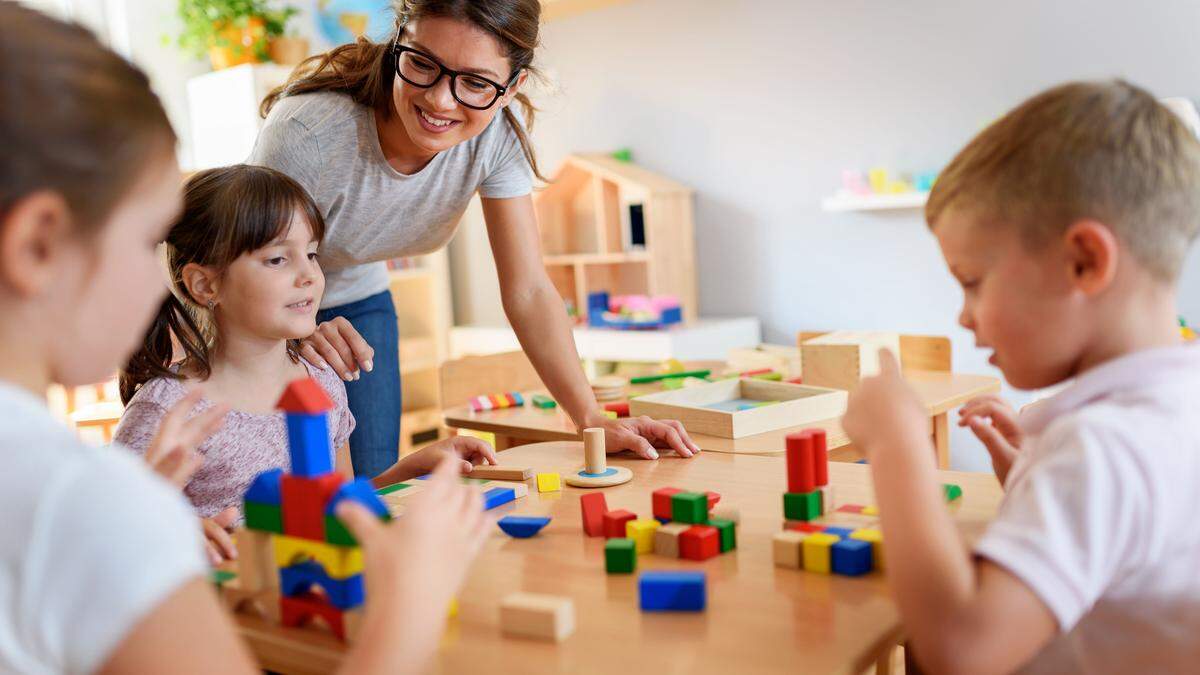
(219, 577)
(264, 517)
(543, 401)
(802, 505)
(951, 491)
(392, 488)
(620, 556)
(689, 507)
(336, 533)
(727, 532)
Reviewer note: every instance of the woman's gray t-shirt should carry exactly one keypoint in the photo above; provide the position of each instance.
(330, 145)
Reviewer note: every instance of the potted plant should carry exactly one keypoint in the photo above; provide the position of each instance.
(231, 32)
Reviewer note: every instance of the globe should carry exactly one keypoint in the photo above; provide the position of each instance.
(342, 21)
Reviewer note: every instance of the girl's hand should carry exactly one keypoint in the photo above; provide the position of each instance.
(468, 450)
(217, 540)
(884, 412)
(172, 453)
(643, 435)
(994, 422)
(338, 345)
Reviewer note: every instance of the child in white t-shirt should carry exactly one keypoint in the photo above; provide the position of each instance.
(100, 560)
(1066, 223)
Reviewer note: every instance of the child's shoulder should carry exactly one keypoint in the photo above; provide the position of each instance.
(162, 392)
(330, 381)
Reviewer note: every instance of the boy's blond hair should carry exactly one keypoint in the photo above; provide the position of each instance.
(1102, 150)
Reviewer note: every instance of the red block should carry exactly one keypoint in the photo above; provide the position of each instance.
(304, 501)
(661, 501)
(713, 498)
(820, 457)
(614, 523)
(512, 400)
(752, 373)
(796, 380)
(304, 396)
(851, 508)
(807, 527)
(294, 611)
(622, 408)
(699, 542)
(800, 470)
(593, 507)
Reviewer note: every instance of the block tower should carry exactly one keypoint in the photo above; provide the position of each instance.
(294, 547)
(807, 476)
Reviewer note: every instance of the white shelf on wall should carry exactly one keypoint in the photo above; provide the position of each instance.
(850, 202)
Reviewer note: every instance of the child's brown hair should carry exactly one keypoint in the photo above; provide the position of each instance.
(226, 212)
(75, 118)
(1102, 150)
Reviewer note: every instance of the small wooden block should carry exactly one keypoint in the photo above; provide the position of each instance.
(666, 539)
(501, 472)
(256, 561)
(801, 526)
(817, 552)
(642, 534)
(951, 491)
(543, 617)
(870, 511)
(549, 482)
(729, 513)
(876, 539)
(263, 603)
(786, 546)
(689, 507)
(614, 523)
(593, 507)
(660, 500)
(519, 489)
(339, 562)
(727, 532)
(801, 505)
(620, 556)
(699, 542)
(850, 508)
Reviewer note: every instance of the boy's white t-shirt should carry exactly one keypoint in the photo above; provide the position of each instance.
(1101, 516)
(91, 541)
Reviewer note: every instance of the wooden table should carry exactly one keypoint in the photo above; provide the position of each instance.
(759, 618)
(939, 391)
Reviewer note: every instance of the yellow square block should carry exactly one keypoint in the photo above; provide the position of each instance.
(876, 539)
(452, 610)
(610, 414)
(642, 534)
(870, 511)
(549, 482)
(817, 551)
(340, 562)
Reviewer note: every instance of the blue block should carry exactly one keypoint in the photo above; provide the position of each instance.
(661, 591)
(308, 444)
(266, 488)
(851, 557)
(497, 496)
(425, 476)
(299, 578)
(361, 491)
(843, 532)
(663, 521)
(522, 527)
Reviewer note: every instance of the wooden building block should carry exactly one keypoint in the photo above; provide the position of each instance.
(642, 533)
(689, 507)
(842, 358)
(713, 498)
(817, 552)
(801, 506)
(296, 610)
(497, 496)
(870, 510)
(543, 617)
(256, 560)
(660, 500)
(549, 482)
(518, 489)
(666, 539)
(339, 562)
(502, 472)
(951, 491)
(264, 517)
(620, 556)
(786, 547)
(614, 523)
(875, 537)
(592, 506)
(304, 501)
(727, 532)
(729, 513)
(801, 476)
(801, 526)
(820, 456)
(262, 603)
(699, 542)
(672, 591)
(851, 557)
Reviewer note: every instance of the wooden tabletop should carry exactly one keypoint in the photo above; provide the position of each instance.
(939, 391)
(759, 618)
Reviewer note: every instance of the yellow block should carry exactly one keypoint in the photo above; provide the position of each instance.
(642, 534)
(610, 414)
(870, 511)
(817, 550)
(549, 482)
(452, 610)
(876, 539)
(340, 562)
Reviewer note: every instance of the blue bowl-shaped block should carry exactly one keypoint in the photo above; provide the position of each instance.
(522, 527)
(663, 591)
(851, 557)
(300, 578)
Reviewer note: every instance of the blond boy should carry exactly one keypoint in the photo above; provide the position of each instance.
(1066, 223)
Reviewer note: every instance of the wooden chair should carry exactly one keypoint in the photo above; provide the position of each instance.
(471, 376)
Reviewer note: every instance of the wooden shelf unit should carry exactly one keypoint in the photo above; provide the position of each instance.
(608, 225)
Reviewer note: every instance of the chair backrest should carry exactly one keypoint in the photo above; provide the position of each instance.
(917, 352)
(471, 376)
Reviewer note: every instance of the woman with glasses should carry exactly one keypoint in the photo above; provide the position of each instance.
(392, 141)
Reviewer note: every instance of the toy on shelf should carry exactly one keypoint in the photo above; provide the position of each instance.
(596, 472)
(510, 399)
(633, 312)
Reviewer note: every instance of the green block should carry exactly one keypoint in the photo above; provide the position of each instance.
(727, 531)
(264, 517)
(951, 491)
(689, 507)
(620, 556)
(392, 488)
(219, 577)
(336, 533)
(802, 505)
(543, 401)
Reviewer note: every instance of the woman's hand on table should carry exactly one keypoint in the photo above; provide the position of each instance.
(337, 344)
(645, 436)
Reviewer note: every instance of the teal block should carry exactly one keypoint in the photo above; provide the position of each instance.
(620, 556)
(802, 505)
(689, 507)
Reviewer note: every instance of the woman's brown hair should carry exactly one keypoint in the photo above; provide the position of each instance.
(75, 118)
(364, 71)
(226, 212)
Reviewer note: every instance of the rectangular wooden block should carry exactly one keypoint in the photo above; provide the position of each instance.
(549, 482)
(256, 561)
(851, 557)
(801, 506)
(614, 523)
(817, 552)
(642, 533)
(519, 489)
(502, 472)
(801, 471)
(672, 591)
(727, 532)
(689, 507)
(729, 513)
(666, 539)
(699, 542)
(786, 547)
(842, 358)
(876, 538)
(339, 562)
(593, 507)
(304, 501)
(532, 615)
(660, 499)
(620, 556)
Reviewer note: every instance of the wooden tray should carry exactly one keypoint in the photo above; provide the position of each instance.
(700, 408)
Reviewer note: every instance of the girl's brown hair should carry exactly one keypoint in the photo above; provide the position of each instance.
(226, 212)
(76, 119)
(364, 70)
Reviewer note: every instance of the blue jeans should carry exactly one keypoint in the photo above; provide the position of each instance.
(375, 396)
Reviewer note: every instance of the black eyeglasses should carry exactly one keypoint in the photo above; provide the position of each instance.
(422, 70)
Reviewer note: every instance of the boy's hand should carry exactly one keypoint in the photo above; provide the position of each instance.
(172, 453)
(994, 422)
(468, 450)
(884, 411)
(217, 540)
(338, 345)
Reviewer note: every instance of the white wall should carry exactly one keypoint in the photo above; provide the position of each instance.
(760, 104)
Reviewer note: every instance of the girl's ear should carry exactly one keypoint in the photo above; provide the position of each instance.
(34, 235)
(202, 283)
